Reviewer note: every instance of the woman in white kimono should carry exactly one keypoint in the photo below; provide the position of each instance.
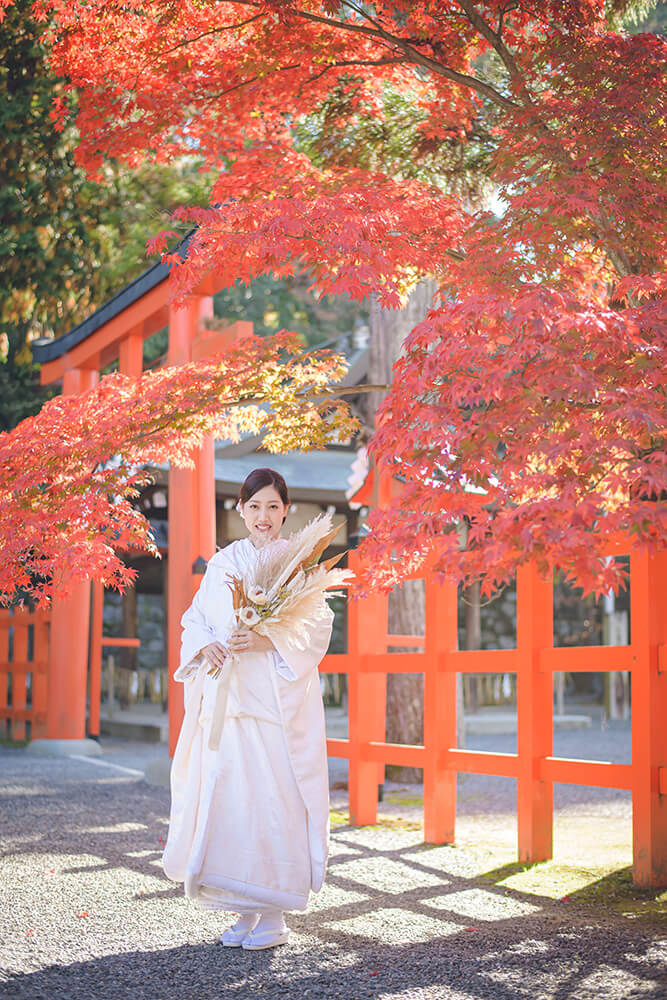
(249, 823)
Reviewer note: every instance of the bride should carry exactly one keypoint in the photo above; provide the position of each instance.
(249, 822)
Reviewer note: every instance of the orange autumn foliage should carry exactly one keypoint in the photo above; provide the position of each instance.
(530, 403)
(68, 476)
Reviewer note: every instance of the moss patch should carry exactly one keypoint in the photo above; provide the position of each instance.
(14, 744)
(338, 819)
(597, 887)
(402, 799)
(616, 891)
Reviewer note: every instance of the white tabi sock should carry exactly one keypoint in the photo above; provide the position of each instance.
(245, 923)
(233, 937)
(272, 921)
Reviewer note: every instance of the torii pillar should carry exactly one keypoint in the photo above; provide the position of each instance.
(68, 644)
(191, 510)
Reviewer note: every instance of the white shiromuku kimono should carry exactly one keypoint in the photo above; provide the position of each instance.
(249, 822)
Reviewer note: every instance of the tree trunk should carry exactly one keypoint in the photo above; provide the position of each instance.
(405, 692)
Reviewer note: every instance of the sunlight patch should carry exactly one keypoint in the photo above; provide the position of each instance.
(395, 926)
(625, 984)
(333, 896)
(387, 876)
(482, 905)
(379, 838)
(116, 828)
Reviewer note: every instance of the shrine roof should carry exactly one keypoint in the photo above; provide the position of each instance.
(44, 350)
(321, 474)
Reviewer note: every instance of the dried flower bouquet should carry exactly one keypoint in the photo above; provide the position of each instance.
(287, 590)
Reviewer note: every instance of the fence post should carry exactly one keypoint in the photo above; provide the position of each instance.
(5, 623)
(366, 704)
(534, 714)
(191, 511)
(648, 616)
(439, 712)
(40, 676)
(95, 669)
(20, 673)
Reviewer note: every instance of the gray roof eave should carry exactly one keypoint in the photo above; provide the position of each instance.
(44, 350)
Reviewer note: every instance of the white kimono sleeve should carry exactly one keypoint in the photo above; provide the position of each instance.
(197, 633)
(294, 660)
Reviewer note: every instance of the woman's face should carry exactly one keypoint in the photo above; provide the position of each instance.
(263, 514)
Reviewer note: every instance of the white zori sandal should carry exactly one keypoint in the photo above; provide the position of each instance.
(270, 931)
(233, 937)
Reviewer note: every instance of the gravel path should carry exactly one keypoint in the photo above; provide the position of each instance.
(86, 912)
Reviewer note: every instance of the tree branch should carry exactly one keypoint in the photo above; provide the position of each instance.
(413, 55)
(388, 61)
(246, 83)
(213, 31)
(492, 37)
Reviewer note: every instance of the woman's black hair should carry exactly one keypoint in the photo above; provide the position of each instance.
(258, 479)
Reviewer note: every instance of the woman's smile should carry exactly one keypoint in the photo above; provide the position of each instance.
(264, 514)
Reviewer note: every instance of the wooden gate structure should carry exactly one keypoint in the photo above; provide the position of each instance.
(117, 331)
(24, 652)
(534, 661)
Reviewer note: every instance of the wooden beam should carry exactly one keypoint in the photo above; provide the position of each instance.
(104, 343)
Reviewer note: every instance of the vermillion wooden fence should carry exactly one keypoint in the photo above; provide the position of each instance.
(534, 662)
(24, 653)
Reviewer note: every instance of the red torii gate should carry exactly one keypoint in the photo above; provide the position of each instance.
(119, 329)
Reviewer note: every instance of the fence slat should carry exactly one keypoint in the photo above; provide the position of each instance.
(14, 669)
(502, 765)
(572, 659)
(367, 701)
(601, 773)
(5, 622)
(648, 627)
(440, 712)
(40, 680)
(402, 754)
(479, 661)
(20, 677)
(391, 663)
(21, 715)
(534, 630)
(24, 667)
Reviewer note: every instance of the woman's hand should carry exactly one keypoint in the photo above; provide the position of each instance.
(244, 640)
(214, 655)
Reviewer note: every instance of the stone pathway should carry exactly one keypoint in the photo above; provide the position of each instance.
(87, 914)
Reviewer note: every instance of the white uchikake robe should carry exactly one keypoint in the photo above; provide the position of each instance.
(249, 822)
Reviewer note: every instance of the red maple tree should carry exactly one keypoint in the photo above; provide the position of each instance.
(530, 404)
(69, 475)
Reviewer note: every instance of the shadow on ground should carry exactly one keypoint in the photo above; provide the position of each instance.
(87, 913)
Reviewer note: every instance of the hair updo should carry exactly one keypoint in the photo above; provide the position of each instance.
(258, 479)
